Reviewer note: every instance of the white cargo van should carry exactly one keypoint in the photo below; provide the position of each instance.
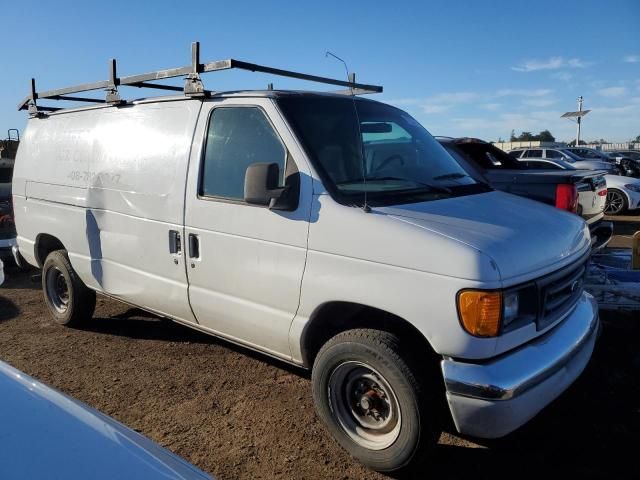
(326, 230)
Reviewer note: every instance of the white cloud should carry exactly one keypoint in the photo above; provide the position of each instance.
(631, 59)
(564, 76)
(427, 108)
(612, 92)
(405, 101)
(521, 92)
(577, 63)
(446, 101)
(553, 63)
(454, 97)
(539, 102)
(532, 65)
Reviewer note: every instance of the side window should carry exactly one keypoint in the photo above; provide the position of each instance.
(553, 154)
(236, 138)
(533, 154)
(541, 165)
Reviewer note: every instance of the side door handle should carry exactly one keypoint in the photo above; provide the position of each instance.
(194, 246)
(175, 242)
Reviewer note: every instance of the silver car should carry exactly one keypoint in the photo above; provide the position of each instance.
(46, 434)
(565, 155)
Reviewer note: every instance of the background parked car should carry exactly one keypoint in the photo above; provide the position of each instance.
(590, 153)
(623, 193)
(503, 172)
(566, 156)
(7, 225)
(46, 434)
(627, 166)
(632, 154)
(630, 163)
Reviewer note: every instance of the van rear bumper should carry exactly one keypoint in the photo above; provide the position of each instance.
(492, 399)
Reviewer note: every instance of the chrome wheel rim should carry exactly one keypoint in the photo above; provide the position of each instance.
(365, 405)
(615, 202)
(57, 289)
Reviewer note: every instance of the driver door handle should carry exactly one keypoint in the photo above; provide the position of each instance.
(194, 246)
(175, 243)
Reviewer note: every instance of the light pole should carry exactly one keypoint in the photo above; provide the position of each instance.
(578, 116)
(579, 119)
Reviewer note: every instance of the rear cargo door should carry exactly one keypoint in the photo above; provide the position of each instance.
(244, 262)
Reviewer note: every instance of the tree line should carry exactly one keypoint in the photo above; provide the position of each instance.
(546, 136)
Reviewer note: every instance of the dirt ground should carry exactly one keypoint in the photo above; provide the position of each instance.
(239, 415)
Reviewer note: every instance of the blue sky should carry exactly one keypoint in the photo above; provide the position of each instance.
(461, 68)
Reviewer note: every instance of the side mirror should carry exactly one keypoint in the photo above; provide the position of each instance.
(261, 188)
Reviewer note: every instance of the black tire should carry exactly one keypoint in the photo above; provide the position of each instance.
(69, 300)
(616, 202)
(402, 447)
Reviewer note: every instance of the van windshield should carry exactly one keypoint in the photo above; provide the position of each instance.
(360, 146)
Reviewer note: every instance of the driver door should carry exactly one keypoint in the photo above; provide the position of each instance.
(244, 262)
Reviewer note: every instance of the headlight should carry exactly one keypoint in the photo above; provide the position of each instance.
(634, 187)
(510, 308)
(488, 313)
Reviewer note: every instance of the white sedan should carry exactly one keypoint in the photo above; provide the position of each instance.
(623, 193)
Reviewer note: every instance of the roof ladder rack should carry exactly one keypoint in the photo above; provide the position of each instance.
(193, 86)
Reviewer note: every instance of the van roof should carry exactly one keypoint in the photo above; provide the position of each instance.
(222, 94)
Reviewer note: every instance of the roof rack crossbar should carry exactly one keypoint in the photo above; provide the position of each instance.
(158, 86)
(193, 84)
(77, 99)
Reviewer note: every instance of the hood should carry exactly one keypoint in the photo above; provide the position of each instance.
(594, 165)
(524, 238)
(46, 434)
(620, 181)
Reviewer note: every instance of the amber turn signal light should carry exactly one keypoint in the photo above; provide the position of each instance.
(480, 312)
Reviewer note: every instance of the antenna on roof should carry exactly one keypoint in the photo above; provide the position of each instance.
(346, 68)
(351, 78)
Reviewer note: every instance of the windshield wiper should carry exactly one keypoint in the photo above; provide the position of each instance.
(451, 176)
(433, 188)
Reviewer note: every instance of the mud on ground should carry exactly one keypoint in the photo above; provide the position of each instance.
(239, 415)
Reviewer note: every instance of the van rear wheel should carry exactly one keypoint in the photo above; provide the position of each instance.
(373, 401)
(69, 300)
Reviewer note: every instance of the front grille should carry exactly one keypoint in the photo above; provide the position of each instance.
(559, 292)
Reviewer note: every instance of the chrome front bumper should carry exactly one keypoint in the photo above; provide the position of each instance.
(6, 246)
(601, 235)
(492, 399)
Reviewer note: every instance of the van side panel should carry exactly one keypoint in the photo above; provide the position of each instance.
(109, 183)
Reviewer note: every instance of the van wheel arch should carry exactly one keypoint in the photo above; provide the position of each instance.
(44, 245)
(333, 318)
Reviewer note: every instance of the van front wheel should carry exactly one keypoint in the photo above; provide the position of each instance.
(69, 300)
(372, 400)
